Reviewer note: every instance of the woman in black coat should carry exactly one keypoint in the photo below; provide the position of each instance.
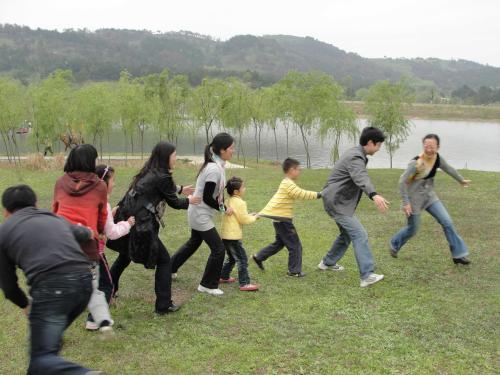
(151, 189)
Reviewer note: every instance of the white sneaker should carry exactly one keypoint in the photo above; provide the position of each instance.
(91, 326)
(213, 292)
(336, 267)
(371, 279)
(174, 276)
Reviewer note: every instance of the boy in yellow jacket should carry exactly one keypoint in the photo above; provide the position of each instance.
(232, 234)
(280, 209)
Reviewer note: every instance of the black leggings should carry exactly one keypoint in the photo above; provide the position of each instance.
(163, 275)
(213, 268)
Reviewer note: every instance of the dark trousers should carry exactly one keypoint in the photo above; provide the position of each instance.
(286, 235)
(163, 276)
(58, 299)
(236, 254)
(213, 268)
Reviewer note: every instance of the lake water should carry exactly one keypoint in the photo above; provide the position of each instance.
(464, 144)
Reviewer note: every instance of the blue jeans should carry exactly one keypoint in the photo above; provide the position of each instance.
(351, 230)
(438, 211)
(58, 299)
(236, 254)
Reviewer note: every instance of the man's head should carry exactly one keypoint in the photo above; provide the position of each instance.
(291, 168)
(371, 139)
(17, 197)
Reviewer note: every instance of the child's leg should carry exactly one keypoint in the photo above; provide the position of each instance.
(186, 250)
(229, 262)
(291, 239)
(98, 306)
(273, 248)
(105, 280)
(240, 256)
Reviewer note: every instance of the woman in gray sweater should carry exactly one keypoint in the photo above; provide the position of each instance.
(416, 186)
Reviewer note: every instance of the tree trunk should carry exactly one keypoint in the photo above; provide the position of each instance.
(7, 151)
(256, 141)
(242, 150)
(306, 146)
(276, 143)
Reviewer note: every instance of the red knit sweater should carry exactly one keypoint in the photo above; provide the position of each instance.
(81, 198)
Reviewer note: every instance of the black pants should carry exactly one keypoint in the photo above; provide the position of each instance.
(213, 268)
(286, 235)
(58, 299)
(163, 276)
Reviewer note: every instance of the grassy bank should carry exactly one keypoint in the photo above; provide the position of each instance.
(427, 316)
(443, 111)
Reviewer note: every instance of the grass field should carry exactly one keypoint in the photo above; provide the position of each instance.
(427, 316)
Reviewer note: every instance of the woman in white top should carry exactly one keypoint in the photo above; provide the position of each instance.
(210, 186)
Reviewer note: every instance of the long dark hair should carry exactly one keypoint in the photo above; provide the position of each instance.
(432, 136)
(81, 158)
(221, 141)
(159, 159)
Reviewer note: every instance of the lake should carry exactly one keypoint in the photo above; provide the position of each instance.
(464, 144)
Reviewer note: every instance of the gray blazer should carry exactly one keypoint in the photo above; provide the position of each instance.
(347, 182)
(420, 192)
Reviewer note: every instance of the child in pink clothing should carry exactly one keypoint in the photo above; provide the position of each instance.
(112, 231)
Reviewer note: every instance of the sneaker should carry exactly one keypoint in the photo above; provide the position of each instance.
(227, 281)
(259, 263)
(105, 327)
(174, 276)
(172, 308)
(91, 325)
(249, 287)
(213, 292)
(393, 252)
(296, 274)
(372, 279)
(463, 260)
(336, 267)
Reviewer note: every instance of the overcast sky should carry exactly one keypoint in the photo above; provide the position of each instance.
(448, 29)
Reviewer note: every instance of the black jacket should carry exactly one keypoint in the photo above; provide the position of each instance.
(40, 243)
(146, 202)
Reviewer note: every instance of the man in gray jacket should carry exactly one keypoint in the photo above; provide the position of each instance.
(341, 195)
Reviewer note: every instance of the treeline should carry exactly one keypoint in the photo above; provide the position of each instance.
(312, 103)
(484, 95)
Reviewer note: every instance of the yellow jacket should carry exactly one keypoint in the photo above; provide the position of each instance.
(281, 204)
(232, 226)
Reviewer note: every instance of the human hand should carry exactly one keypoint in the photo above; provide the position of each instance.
(187, 190)
(194, 200)
(407, 210)
(465, 183)
(131, 220)
(381, 203)
(229, 211)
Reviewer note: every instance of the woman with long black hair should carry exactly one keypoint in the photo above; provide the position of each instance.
(150, 190)
(210, 185)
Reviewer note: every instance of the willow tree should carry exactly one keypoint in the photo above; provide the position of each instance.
(385, 104)
(12, 114)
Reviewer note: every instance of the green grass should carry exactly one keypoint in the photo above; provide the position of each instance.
(427, 316)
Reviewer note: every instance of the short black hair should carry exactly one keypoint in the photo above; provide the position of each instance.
(371, 133)
(104, 172)
(234, 183)
(81, 158)
(432, 136)
(289, 163)
(19, 196)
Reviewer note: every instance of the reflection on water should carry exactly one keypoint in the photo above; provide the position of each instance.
(472, 145)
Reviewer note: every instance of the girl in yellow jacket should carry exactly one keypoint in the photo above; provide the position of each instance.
(232, 235)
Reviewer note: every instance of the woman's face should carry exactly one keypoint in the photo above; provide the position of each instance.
(227, 154)
(431, 147)
(172, 160)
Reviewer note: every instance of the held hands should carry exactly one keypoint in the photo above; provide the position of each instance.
(229, 211)
(381, 203)
(131, 220)
(187, 190)
(193, 200)
(465, 183)
(407, 210)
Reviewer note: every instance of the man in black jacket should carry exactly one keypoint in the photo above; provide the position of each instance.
(45, 247)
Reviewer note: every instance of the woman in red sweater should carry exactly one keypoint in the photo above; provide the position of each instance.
(81, 198)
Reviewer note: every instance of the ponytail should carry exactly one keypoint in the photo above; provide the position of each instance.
(221, 141)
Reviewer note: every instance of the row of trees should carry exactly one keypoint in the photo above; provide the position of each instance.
(484, 95)
(312, 103)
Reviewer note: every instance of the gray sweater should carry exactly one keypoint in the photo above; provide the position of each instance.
(419, 191)
(347, 182)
